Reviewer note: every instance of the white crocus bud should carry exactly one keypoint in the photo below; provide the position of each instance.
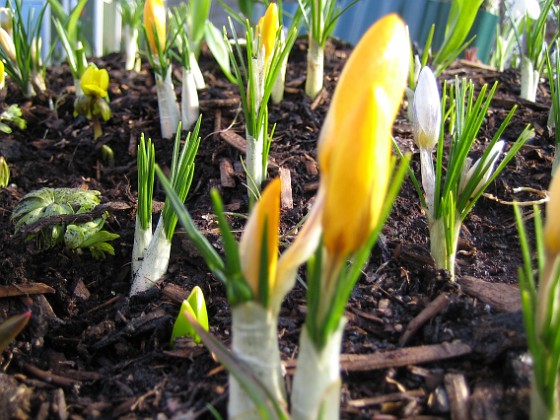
(6, 16)
(7, 44)
(426, 110)
(36, 46)
(426, 124)
(468, 170)
(519, 8)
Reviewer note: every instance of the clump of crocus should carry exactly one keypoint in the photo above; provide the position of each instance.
(540, 299)
(189, 23)
(131, 12)
(20, 46)
(256, 281)
(93, 102)
(320, 17)
(354, 150)
(68, 28)
(255, 76)
(450, 196)
(533, 46)
(355, 195)
(155, 29)
(151, 252)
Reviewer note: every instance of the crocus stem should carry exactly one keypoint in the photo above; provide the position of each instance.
(316, 385)
(442, 251)
(142, 238)
(167, 102)
(277, 93)
(428, 178)
(255, 342)
(78, 87)
(539, 408)
(255, 169)
(189, 100)
(410, 100)
(315, 64)
(130, 46)
(155, 262)
(529, 80)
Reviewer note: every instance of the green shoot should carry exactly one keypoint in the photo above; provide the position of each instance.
(195, 305)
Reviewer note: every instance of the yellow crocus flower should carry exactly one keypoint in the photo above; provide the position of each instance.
(355, 142)
(95, 82)
(267, 29)
(154, 22)
(551, 231)
(265, 213)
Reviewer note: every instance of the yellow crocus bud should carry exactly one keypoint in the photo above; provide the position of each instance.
(95, 82)
(6, 15)
(551, 231)
(265, 214)
(154, 22)
(7, 44)
(267, 29)
(355, 142)
(426, 111)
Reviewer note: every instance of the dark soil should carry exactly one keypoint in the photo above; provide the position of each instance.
(90, 351)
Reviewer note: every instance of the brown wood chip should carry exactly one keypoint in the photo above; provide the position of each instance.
(502, 297)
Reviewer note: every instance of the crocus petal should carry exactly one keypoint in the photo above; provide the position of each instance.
(154, 22)
(266, 212)
(519, 8)
(469, 170)
(355, 142)
(358, 175)
(268, 26)
(303, 247)
(6, 16)
(379, 59)
(426, 110)
(551, 233)
(7, 44)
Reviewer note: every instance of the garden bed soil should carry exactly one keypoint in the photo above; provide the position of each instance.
(415, 344)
